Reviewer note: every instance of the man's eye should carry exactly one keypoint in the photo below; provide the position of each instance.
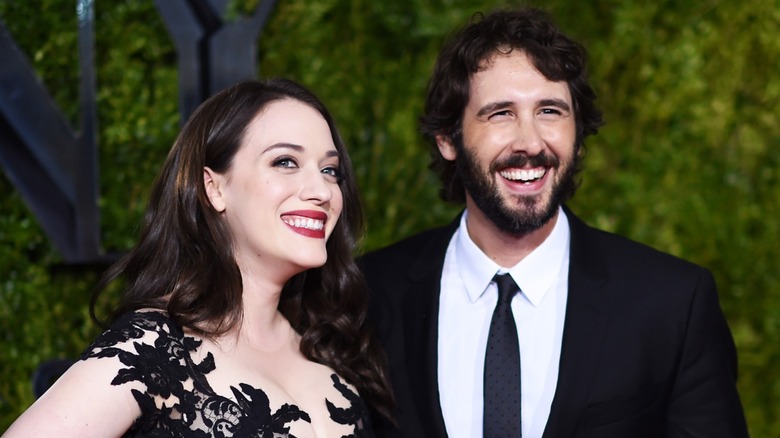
(554, 111)
(501, 113)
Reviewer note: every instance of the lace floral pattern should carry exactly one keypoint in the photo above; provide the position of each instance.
(178, 400)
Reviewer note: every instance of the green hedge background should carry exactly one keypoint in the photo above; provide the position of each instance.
(688, 160)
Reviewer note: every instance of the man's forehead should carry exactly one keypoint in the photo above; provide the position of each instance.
(501, 51)
(516, 61)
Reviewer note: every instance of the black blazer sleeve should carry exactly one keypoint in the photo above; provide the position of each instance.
(704, 401)
(657, 345)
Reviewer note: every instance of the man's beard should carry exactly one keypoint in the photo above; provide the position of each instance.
(525, 215)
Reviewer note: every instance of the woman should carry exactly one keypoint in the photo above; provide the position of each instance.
(243, 311)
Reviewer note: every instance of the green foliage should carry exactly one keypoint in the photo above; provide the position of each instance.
(687, 161)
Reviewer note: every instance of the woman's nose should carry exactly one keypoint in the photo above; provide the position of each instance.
(316, 187)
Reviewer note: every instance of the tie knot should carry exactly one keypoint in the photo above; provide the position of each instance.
(507, 288)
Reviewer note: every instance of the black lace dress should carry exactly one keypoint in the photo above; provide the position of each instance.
(190, 407)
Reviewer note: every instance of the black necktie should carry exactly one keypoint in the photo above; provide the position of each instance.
(502, 367)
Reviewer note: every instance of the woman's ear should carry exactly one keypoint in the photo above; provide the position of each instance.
(446, 148)
(213, 182)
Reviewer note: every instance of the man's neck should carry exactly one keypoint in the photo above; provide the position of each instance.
(504, 248)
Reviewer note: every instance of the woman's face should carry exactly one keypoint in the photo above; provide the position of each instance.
(281, 197)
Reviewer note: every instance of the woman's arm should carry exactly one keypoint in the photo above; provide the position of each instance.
(82, 403)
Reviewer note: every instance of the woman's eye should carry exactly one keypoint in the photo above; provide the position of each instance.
(284, 162)
(332, 171)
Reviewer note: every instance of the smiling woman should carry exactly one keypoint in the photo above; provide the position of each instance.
(243, 311)
(281, 196)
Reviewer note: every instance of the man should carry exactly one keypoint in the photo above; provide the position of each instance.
(606, 337)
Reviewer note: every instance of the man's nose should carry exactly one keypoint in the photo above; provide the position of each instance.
(527, 137)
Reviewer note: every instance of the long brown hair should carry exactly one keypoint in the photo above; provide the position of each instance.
(184, 262)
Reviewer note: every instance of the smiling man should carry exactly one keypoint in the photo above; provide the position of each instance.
(518, 319)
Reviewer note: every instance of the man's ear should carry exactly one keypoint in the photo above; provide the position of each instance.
(213, 182)
(446, 148)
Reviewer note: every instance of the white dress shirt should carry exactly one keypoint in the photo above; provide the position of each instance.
(466, 307)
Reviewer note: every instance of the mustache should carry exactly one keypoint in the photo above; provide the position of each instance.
(522, 160)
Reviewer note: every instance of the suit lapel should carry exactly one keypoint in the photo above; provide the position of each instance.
(421, 328)
(586, 318)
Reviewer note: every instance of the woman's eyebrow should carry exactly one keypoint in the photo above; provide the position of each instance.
(298, 148)
(283, 145)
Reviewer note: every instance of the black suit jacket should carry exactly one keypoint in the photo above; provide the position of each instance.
(646, 351)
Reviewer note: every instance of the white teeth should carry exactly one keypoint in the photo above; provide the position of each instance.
(523, 174)
(304, 222)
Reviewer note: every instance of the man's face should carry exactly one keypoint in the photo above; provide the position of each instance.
(517, 153)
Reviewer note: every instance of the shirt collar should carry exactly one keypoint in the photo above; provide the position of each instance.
(535, 274)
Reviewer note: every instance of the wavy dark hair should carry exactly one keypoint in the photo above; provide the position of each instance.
(529, 30)
(184, 262)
